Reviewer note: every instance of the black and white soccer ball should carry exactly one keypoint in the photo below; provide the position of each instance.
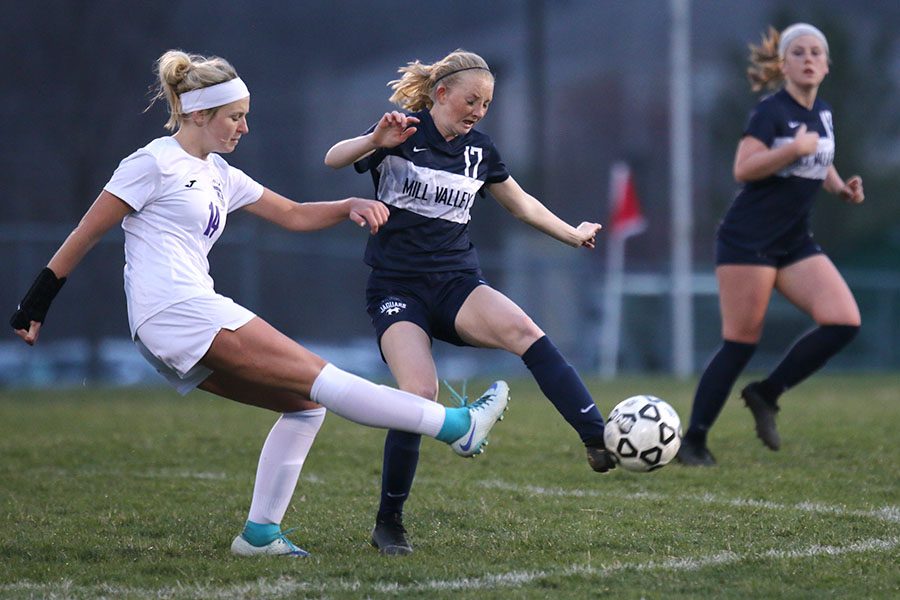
(643, 433)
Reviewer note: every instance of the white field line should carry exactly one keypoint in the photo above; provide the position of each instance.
(890, 514)
(676, 564)
(287, 588)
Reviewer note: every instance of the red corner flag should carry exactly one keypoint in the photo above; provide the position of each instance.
(626, 217)
(626, 220)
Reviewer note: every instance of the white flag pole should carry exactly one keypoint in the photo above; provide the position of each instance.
(682, 215)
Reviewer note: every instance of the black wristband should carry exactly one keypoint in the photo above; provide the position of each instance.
(36, 303)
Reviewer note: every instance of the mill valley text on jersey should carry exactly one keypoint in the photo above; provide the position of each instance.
(449, 196)
(430, 185)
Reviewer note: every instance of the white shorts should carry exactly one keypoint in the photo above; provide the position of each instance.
(176, 338)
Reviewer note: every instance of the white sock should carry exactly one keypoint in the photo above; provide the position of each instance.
(280, 462)
(366, 403)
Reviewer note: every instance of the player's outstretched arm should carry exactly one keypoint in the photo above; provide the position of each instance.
(106, 212)
(392, 129)
(312, 216)
(529, 209)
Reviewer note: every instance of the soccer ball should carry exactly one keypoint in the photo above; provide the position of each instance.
(643, 433)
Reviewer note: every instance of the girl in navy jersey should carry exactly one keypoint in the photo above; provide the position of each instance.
(764, 243)
(172, 198)
(429, 165)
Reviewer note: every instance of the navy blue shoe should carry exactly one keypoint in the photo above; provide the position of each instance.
(599, 458)
(692, 454)
(764, 413)
(389, 536)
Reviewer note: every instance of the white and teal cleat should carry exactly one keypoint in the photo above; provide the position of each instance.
(483, 414)
(280, 546)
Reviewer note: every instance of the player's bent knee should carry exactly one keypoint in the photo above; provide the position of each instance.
(850, 317)
(524, 328)
(741, 336)
(429, 392)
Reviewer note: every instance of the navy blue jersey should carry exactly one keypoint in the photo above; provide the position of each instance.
(429, 185)
(773, 214)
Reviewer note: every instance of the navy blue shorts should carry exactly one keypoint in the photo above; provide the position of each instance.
(430, 300)
(730, 254)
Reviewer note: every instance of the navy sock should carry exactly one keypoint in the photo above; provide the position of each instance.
(401, 456)
(806, 356)
(715, 384)
(564, 388)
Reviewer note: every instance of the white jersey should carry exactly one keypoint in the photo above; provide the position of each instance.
(180, 207)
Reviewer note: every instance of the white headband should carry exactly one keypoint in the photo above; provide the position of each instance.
(213, 96)
(796, 30)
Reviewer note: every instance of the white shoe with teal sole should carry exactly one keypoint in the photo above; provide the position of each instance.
(280, 546)
(483, 414)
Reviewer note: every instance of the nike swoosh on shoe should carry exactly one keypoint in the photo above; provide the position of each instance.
(465, 447)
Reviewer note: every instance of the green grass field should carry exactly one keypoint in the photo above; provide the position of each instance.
(138, 493)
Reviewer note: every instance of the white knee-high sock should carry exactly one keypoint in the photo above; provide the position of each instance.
(280, 462)
(364, 402)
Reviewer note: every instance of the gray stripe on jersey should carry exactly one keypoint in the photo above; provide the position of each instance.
(812, 166)
(427, 192)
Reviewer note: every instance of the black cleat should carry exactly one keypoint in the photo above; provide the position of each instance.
(600, 459)
(389, 536)
(764, 414)
(692, 454)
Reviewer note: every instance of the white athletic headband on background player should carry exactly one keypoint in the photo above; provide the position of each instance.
(213, 95)
(796, 30)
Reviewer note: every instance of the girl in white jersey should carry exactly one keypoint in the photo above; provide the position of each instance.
(172, 198)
